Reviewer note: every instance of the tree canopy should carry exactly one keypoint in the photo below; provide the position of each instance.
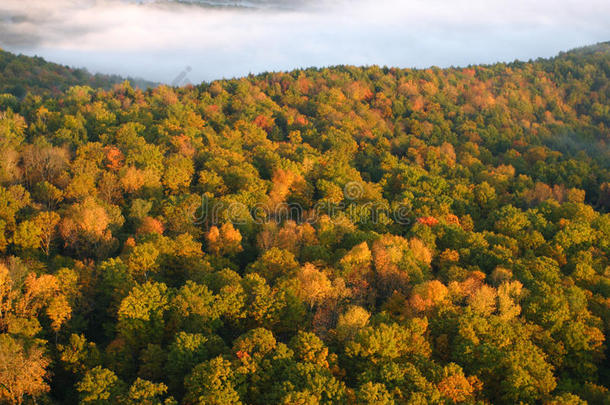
(365, 235)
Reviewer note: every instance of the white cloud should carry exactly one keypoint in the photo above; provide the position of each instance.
(156, 40)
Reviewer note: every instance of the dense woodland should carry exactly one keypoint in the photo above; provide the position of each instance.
(20, 75)
(482, 275)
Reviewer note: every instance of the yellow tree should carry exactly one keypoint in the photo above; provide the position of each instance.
(47, 222)
(225, 240)
(22, 370)
(19, 307)
(314, 285)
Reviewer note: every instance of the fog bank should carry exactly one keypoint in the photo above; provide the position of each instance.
(159, 40)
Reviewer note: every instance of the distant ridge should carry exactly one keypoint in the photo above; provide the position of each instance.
(240, 4)
(599, 48)
(20, 74)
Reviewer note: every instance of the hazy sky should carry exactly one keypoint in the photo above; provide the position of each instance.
(157, 40)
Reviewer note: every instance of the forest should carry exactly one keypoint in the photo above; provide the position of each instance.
(20, 74)
(343, 235)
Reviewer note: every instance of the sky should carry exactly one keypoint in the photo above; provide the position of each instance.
(192, 41)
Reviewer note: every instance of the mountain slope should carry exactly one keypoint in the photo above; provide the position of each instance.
(20, 74)
(346, 235)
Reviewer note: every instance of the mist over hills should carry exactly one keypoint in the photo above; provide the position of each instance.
(20, 74)
(222, 39)
(245, 4)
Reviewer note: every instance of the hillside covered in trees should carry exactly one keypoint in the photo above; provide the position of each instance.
(324, 236)
(20, 74)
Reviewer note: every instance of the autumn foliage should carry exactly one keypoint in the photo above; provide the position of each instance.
(342, 235)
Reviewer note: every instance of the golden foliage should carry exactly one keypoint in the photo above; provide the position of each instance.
(483, 301)
(150, 225)
(225, 240)
(314, 285)
(22, 370)
(427, 295)
(455, 385)
(351, 321)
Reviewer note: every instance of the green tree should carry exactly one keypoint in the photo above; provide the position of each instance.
(212, 382)
(141, 314)
(100, 386)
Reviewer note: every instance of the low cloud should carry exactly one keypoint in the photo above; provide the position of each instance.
(223, 38)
